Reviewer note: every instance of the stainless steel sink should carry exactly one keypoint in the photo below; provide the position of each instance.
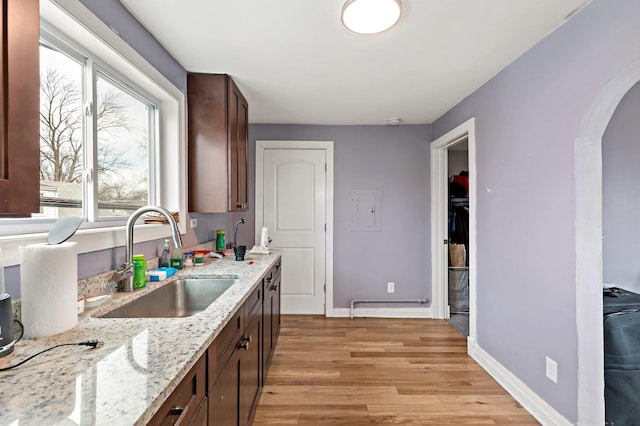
(181, 298)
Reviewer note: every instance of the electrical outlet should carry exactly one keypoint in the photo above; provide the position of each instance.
(552, 370)
(194, 223)
(391, 287)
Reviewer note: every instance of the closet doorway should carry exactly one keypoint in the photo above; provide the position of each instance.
(454, 281)
(458, 236)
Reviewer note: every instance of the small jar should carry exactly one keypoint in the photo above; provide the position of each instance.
(198, 259)
(188, 259)
(219, 240)
(139, 271)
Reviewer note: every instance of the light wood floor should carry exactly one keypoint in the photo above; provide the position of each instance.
(367, 371)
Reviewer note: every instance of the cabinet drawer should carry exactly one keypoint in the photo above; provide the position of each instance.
(272, 275)
(276, 268)
(252, 305)
(224, 345)
(183, 403)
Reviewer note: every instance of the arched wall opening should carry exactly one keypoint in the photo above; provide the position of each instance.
(588, 227)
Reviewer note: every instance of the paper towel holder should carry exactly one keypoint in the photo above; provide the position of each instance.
(63, 229)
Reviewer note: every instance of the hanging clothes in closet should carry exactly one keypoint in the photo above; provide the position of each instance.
(459, 216)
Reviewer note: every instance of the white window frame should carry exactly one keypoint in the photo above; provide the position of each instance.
(71, 20)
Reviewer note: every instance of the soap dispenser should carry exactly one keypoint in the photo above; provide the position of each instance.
(165, 257)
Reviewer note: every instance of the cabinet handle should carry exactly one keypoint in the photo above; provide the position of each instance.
(268, 280)
(274, 288)
(179, 410)
(245, 343)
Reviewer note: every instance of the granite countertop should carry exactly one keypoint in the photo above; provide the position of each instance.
(125, 380)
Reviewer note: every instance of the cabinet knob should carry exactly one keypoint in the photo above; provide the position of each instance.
(244, 344)
(274, 288)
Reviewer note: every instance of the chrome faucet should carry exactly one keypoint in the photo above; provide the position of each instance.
(124, 276)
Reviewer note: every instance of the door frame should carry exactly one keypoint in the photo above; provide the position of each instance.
(327, 146)
(439, 220)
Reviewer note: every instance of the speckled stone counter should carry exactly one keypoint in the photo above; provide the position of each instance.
(126, 380)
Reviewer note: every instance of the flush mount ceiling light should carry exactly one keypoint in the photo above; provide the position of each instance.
(370, 16)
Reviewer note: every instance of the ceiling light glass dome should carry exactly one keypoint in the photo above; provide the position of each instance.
(370, 16)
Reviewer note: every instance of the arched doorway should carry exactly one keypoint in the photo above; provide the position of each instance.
(588, 231)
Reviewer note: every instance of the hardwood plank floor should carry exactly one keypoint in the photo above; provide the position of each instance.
(366, 371)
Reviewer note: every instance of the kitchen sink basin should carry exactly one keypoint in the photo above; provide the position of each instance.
(181, 298)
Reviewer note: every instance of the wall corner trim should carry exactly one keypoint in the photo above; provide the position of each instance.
(531, 402)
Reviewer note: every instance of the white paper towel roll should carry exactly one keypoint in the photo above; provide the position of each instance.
(264, 237)
(49, 288)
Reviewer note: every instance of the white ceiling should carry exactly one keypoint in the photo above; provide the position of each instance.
(296, 64)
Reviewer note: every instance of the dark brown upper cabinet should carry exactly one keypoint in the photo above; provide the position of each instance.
(218, 135)
(19, 108)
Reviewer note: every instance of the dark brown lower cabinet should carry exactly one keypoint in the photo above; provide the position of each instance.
(224, 386)
(201, 416)
(236, 376)
(271, 317)
(183, 405)
(251, 374)
(224, 394)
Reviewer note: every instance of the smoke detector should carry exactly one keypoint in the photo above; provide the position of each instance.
(394, 122)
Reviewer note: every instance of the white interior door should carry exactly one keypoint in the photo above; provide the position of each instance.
(294, 211)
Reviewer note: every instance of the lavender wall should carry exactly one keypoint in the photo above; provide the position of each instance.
(621, 194)
(116, 16)
(527, 119)
(395, 160)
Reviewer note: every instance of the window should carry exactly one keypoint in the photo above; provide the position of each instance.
(113, 135)
(115, 155)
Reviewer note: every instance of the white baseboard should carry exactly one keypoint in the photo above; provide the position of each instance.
(531, 402)
(426, 312)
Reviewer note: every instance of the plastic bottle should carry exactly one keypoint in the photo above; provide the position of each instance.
(165, 257)
(139, 271)
(188, 259)
(176, 259)
(219, 240)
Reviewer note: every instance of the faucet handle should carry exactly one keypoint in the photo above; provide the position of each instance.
(121, 275)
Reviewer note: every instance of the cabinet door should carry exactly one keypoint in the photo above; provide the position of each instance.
(208, 174)
(19, 107)
(184, 402)
(275, 312)
(200, 416)
(267, 327)
(251, 377)
(224, 396)
(238, 110)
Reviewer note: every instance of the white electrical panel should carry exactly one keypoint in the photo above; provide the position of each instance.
(366, 209)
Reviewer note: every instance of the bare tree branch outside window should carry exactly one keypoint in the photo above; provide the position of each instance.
(123, 184)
